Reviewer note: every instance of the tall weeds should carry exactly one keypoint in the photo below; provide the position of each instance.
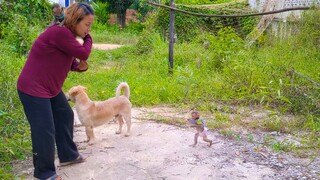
(14, 130)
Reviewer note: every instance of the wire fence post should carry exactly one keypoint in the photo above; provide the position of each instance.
(171, 36)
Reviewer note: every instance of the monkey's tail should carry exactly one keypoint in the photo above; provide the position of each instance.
(126, 88)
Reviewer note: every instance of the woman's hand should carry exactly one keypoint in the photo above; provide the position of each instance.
(79, 66)
(82, 66)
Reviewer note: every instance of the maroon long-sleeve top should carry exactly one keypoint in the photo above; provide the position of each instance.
(50, 60)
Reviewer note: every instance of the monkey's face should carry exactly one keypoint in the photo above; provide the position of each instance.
(57, 11)
(195, 115)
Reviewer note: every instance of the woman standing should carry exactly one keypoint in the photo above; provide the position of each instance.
(40, 89)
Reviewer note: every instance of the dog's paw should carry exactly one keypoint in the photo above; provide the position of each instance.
(118, 132)
(127, 135)
(83, 141)
(90, 143)
(77, 125)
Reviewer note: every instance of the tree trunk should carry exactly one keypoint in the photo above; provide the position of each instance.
(121, 19)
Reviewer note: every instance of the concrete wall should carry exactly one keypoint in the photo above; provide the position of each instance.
(284, 24)
(289, 15)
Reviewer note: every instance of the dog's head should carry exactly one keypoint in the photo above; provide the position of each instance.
(72, 94)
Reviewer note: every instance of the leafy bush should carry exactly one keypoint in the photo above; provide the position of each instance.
(36, 12)
(143, 9)
(113, 34)
(27, 15)
(20, 35)
(183, 24)
(282, 74)
(187, 27)
(310, 26)
(101, 12)
(147, 42)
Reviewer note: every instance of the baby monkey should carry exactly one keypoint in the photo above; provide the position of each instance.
(57, 13)
(201, 129)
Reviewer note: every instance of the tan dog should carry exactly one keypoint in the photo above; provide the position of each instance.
(92, 114)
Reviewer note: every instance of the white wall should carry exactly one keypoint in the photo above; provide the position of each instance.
(62, 2)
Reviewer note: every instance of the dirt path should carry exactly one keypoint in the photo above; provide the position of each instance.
(102, 46)
(106, 46)
(160, 151)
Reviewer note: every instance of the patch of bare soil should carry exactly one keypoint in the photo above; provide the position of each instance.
(161, 151)
(102, 46)
(106, 46)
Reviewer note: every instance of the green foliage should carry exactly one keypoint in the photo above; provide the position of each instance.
(112, 34)
(145, 42)
(29, 16)
(142, 8)
(284, 145)
(148, 42)
(309, 32)
(36, 12)
(20, 35)
(20, 23)
(135, 28)
(222, 121)
(188, 27)
(183, 24)
(225, 44)
(101, 12)
(312, 123)
(14, 129)
(116, 6)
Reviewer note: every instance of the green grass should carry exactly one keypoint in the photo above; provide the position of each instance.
(14, 129)
(108, 34)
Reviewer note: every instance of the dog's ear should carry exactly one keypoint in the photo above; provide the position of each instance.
(73, 91)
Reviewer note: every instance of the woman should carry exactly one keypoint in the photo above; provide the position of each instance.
(40, 89)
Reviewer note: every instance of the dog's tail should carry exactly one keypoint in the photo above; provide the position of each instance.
(126, 88)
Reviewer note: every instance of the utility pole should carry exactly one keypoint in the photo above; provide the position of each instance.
(171, 36)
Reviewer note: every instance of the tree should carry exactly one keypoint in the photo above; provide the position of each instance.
(143, 8)
(120, 7)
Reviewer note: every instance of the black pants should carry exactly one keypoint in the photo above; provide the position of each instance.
(51, 122)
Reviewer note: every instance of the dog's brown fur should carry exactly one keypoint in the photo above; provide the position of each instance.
(92, 114)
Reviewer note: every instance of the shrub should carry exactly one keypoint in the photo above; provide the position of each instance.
(27, 15)
(101, 12)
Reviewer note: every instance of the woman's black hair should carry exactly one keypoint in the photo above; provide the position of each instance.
(87, 8)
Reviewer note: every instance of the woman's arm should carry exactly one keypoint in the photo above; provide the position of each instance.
(66, 41)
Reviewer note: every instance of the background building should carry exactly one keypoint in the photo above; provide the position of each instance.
(64, 3)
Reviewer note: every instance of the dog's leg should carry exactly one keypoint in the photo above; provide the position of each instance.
(128, 122)
(90, 134)
(120, 121)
